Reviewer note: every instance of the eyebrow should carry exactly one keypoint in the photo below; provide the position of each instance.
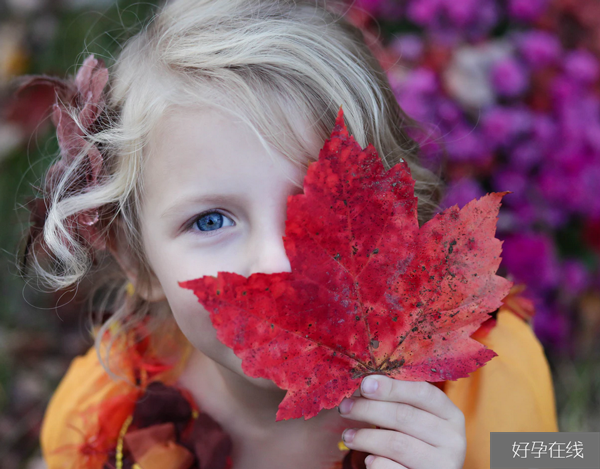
(204, 199)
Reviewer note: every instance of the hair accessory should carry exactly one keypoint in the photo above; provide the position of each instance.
(130, 289)
(85, 97)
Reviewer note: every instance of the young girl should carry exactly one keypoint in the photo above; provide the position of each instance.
(178, 163)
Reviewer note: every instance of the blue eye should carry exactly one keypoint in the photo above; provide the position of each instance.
(210, 221)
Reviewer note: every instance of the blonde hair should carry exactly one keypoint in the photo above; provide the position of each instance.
(271, 62)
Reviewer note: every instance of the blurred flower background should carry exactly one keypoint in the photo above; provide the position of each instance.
(508, 96)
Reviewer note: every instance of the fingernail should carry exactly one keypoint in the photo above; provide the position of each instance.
(369, 385)
(369, 459)
(348, 435)
(346, 405)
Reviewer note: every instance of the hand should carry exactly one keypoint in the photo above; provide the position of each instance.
(421, 428)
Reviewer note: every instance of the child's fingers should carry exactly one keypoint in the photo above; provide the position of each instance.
(404, 418)
(419, 394)
(403, 449)
(379, 462)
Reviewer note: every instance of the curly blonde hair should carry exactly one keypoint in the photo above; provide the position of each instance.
(272, 61)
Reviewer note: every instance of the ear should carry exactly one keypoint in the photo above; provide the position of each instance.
(116, 244)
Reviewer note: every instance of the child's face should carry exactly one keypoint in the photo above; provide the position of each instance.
(195, 155)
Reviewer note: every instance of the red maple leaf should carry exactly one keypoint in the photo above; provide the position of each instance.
(369, 292)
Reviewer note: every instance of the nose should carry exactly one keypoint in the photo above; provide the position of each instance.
(267, 253)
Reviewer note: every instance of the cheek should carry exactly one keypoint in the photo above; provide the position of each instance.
(193, 319)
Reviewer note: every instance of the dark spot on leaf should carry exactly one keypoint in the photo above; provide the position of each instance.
(414, 329)
(451, 248)
(395, 318)
(375, 251)
(357, 318)
(374, 343)
(243, 293)
(345, 203)
(337, 256)
(434, 370)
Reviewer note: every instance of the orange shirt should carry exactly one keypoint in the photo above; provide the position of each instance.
(512, 392)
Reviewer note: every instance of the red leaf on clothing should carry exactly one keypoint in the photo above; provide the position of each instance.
(369, 292)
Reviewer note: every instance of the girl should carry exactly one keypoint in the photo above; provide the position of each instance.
(178, 163)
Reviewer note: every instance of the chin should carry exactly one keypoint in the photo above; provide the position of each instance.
(265, 384)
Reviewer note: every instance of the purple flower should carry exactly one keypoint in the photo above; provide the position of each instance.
(545, 132)
(510, 180)
(463, 143)
(525, 212)
(509, 77)
(461, 13)
(530, 258)
(553, 186)
(449, 112)
(552, 328)
(423, 12)
(408, 47)
(574, 276)
(582, 66)
(588, 180)
(527, 10)
(415, 94)
(539, 48)
(524, 156)
(501, 125)
(486, 17)
(461, 192)
(553, 215)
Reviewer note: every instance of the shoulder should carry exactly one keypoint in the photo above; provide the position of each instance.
(512, 392)
(517, 381)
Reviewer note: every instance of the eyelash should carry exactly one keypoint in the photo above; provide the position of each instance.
(194, 226)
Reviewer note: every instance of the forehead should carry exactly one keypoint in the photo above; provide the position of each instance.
(207, 149)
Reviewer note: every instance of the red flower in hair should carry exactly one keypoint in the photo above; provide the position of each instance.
(83, 96)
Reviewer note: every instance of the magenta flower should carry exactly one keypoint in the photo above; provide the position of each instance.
(464, 143)
(545, 132)
(408, 47)
(462, 191)
(552, 328)
(526, 155)
(539, 48)
(461, 13)
(502, 125)
(527, 10)
(531, 259)
(423, 12)
(510, 180)
(582, 66)
(509, 77)
(574, 276)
